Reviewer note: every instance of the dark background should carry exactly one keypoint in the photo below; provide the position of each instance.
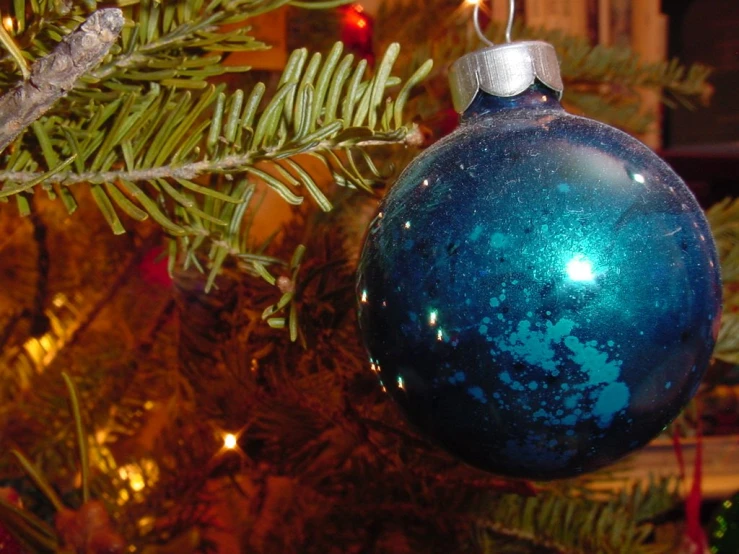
(703, 144)
(707, 32)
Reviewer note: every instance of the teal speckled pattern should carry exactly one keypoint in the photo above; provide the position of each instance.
(539, 292)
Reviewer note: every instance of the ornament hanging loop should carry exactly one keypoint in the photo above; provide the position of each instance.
(509, 24)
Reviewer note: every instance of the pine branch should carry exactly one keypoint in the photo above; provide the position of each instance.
(54, 75)
(621, 67)
(177, 44)
(29, 179)
(153, 155)
(579, 524)
(723, 218)
(185, 30)
(147, 156)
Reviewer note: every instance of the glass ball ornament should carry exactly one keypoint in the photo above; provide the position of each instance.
(538, 292)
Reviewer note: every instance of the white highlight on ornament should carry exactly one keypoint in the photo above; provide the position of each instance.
(580, 269)
(639, 178)
(229, 441)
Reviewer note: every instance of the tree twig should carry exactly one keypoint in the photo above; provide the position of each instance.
(188, 170)
(55, 74)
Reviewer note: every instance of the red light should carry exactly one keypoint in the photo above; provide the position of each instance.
(356, 19)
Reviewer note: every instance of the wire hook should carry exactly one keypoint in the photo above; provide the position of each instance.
(509, 25)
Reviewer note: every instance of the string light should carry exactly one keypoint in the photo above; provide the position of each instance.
(8, 23)
(230, 441)
(38, 352)
(355, 17)
(145, 524)
(139, 476)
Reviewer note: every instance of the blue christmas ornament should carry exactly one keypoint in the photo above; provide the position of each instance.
(539, 292)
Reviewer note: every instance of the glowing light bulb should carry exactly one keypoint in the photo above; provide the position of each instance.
(137, 482)
(580, 269)
(433, 317)
(134, 476)
(229, 441)
(401, 383)
(8, 23)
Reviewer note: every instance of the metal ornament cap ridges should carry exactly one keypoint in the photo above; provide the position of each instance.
(504, 70)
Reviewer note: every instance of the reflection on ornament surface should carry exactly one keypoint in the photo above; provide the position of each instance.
(544, 287)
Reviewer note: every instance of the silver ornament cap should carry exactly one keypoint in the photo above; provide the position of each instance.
(504, 70)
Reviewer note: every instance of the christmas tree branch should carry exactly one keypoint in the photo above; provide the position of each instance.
(176, 43)
(186, 34)
(29, 179)
(54, 75)
(142, 154)
(563, 521)
(724, 220)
